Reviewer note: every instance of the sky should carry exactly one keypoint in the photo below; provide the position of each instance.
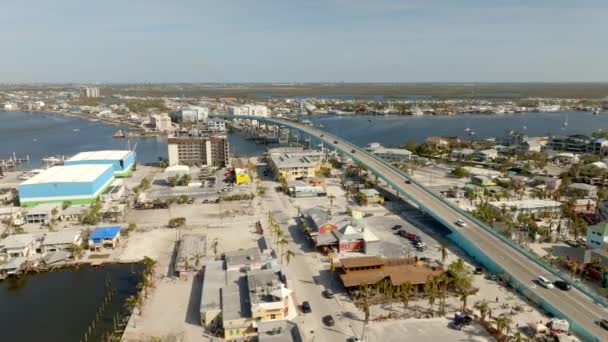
(303, 41)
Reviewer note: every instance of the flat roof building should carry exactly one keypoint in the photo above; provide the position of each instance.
(296, 165)
(77, 184)
(214, 280)
(198, 148)
(192, 249)
(121, 160)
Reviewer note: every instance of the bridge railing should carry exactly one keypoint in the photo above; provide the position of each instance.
(576, 284)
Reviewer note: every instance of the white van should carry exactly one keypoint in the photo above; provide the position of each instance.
(544, 282)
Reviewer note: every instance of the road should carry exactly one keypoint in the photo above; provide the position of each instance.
(574, 304)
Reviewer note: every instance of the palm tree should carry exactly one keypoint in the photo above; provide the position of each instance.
(214, 245)
(443, 248)
(430, 289)
(502, 322)
(331, 201)
(197, 259)
(149, 265)
(464, 293)
(405, 293)
(483, 308)
(288, 255)
(76, 250)
(282, 243)
(518, 337)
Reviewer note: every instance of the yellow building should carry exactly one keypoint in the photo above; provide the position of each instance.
(242, 176)
(373, 196)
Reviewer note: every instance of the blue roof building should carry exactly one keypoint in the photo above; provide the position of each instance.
(121, 160)
(104, 237)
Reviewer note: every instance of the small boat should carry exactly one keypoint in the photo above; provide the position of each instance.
(76, 130)
(596, 112)
(119, 134)
(467, 129)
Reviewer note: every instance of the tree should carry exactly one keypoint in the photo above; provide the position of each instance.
(331, 201)
(185, 179)
(131, 303)
(197, 259)
(177, 222)
(483, 307)
(288, 255)
(76, 250)
(361, 199)
(405, 293)
(282, 243)
(173, 180)
(443, 248)
(502, 322)
(460, 172)
(214, 245)
(430, 290)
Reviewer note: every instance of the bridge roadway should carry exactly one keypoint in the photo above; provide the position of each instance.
(574, 304)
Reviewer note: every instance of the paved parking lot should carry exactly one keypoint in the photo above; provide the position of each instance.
(434, 329)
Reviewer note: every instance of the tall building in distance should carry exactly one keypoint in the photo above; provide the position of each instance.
(198, 148)
(249, 109)
(89, 92)
(190, 114)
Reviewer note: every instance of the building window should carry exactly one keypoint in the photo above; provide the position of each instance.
(273, 316)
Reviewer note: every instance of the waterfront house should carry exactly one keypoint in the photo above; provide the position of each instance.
(20, 245)
(103, 237)
(462, 153)
(61, 240)
(485, 155)
(12, 267)
(484, 181)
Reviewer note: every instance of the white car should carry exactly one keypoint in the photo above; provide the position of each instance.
(461, 223)
(544, 282)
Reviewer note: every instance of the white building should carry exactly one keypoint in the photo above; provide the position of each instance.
(61, 240)
(532, 206)
(190, 114)
(161, 122)
(9, 106)
(20, 245)
(249, 109)
(215, 124)
(488, 154)
(89, 92)
(391, 154)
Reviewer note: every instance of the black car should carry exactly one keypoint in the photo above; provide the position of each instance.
(352, 151)
(328, 320)
(397, 226)
(604, 324)
(425, 259)
(417, 239)
(407, 181)
(562, 285)
(306, 307)
(335, 141)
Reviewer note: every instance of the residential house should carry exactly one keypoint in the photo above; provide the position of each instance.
(462, 153)
(437, 141)
(485, 155)
(296, 165)
(74, 213)
(14, 215)
(20, 245)
(586, 190)
(61, 240)
(597, 235)
(103, 237)
(301, 189)
(530, 206)
(268, 296)
(372, 195)
(192, 249)
(531, 145)
(43, 213)
(584, 205)
(482, 181)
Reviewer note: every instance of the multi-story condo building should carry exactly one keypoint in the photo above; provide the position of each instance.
(190, 114)
(161, 122)
(89, 92)
(295, 163)
(198, 148)
(249, 109)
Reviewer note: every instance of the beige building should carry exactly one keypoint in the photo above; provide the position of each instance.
(161, 122)
(294, 164)
(198, 148)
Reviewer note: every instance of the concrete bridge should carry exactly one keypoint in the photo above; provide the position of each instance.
(580, 306)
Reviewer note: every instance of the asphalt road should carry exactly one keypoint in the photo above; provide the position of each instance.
(576, 305)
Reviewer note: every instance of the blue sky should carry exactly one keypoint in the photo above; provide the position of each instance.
(303, 41)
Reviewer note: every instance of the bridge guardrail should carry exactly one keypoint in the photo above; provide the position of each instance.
(536, 259)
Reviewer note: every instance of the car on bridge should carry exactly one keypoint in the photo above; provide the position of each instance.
(544, 282)
(461, 223)
(562, 285)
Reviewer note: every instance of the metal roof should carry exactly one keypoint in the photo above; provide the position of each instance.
(69, 174)
(105, 232)
(101, 155)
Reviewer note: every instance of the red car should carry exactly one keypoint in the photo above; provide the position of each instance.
(410, 236)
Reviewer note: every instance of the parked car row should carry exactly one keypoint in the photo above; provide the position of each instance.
(415, 239)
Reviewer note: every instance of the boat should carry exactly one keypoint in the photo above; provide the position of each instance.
(566, 122)
(467, 129)
(76, 130)
(119, 134)
(596, 112)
